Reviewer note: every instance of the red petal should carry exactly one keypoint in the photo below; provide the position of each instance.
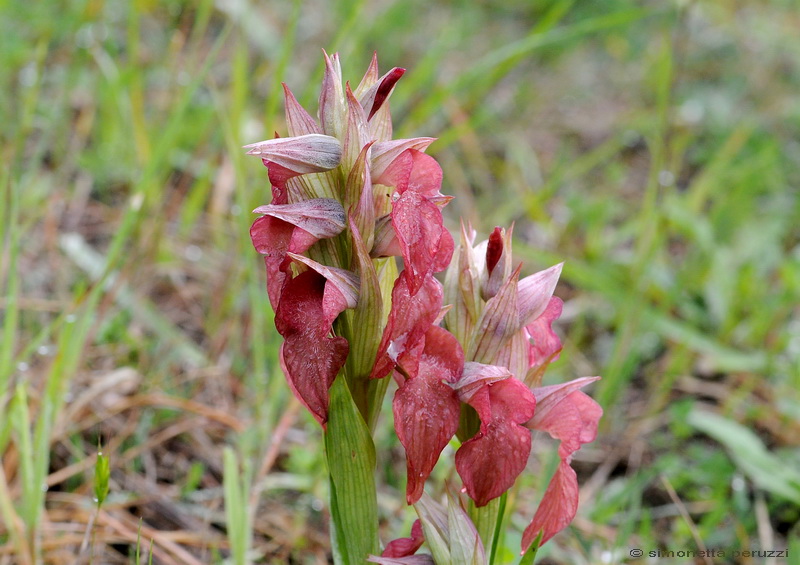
(310, 359)
(426, 245)
(409, 320)
(413, 170)
(403, 547)
(490, 462)
(545, 343)
(385, 152)
(557, 508)
(426, 409)
(573, 420)
(376, 95)
(567, 414)
(494, 249)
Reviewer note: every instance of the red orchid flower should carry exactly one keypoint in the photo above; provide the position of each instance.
(490, 462)
(426, 409)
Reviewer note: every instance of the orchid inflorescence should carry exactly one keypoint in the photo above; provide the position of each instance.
(467, 356)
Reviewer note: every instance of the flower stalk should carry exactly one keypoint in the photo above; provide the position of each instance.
(349, 206)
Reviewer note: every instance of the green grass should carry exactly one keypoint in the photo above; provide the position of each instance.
(650, 145)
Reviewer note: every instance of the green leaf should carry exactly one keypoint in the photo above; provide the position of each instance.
(749, 454)
(351, 463)
(102, 473)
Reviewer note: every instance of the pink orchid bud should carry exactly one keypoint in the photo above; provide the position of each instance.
(449, 532)
(498, 262)
(535, 292)
(331, 97)
(298, 121)
(462, 289)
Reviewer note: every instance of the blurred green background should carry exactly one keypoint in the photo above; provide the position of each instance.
(653, 146)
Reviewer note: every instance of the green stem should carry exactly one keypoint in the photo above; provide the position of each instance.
(487, 521)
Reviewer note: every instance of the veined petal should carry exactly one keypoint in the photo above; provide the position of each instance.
(310, 153)
(409, 319)
(535, 292)
(567, 414)
(358, 196)
(571, 416)
(356, 133)
(385, 243)
(476, 378)
(426, 245)
(370, 76)
(545, 344)
(461, 289)
(498, 323)
(321, 217)
(274, 238)
(426, 409)
(331, 97)
(309, 357)
(298, 121)
(490, 462)
(385, 152)
(343, 281)
(557, 508)
(413, 170)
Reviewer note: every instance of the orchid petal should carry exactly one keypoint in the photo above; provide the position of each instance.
(545, 345)
(310, 359)
(557, 508)
(298, 121)
(409, 320)
(375, 96)
(310, 153)
(571, 416)
(490, 462)
(426, 409)
(403, 547)
(535, 292)
(498, 323)
(331, 97)
(321, 217)
(345, 282)
(567, 415)
(385, 152)
(370, 76)
(427, 246)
